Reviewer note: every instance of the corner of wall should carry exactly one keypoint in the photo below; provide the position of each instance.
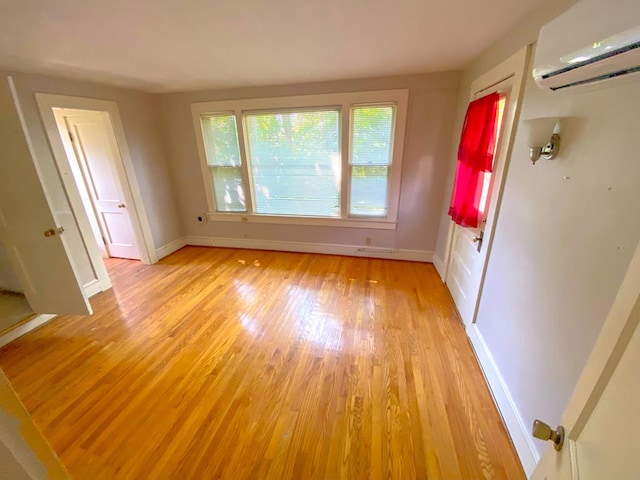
(522, 34)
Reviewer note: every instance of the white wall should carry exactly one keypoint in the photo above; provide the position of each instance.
(432, 99)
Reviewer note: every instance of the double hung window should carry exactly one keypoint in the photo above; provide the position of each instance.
(331, 158)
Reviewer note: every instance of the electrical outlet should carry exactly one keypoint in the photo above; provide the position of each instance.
(367, 240)
(202, 218)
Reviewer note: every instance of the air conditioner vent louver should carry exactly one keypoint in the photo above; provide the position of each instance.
(593, 41)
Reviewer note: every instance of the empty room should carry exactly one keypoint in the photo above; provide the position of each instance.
(319, 240)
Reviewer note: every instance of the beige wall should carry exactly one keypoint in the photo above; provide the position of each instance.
(140, 117)
(432, 98)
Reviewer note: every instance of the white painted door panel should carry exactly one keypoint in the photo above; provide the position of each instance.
(42, 264)
(96, 149)
(601, 419)
(465, 272)
(614, 421)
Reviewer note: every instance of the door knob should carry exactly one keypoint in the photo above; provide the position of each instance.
(51, 231)
(476, 239)
(122, 205)
(544, 432)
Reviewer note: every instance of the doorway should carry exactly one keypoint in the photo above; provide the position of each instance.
(468, 249)
(96, 168)
(91, 153)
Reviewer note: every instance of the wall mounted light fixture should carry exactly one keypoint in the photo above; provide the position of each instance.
(541, 138)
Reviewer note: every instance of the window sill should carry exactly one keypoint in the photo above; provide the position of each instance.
(369, 223)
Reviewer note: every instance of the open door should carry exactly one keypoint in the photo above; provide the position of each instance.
(33, 239)
(601, 421)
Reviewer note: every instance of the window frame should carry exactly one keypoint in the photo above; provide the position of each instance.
(344, 102)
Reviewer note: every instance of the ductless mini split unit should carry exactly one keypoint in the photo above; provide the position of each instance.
(593, 41)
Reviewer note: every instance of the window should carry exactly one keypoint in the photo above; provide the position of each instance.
(319, 159)
(371, 156)
(486, 180)
(295, 162)
(223, 159)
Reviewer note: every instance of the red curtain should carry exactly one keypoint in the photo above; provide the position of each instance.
(475, 158)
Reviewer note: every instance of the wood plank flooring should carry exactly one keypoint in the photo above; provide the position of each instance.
(241, 364)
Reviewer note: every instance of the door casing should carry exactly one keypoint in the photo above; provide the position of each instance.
(142, 230)
(66, 118)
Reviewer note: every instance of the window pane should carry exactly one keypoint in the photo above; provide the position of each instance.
(228, 189)
(295, 162)
(220, 140)
(372, 135)
(369, 188)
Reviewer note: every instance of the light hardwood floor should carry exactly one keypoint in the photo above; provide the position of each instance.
(241, 364)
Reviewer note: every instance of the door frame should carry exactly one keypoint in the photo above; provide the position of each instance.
(130, 187)
(512, 74)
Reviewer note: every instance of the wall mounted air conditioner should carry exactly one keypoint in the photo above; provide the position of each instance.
(593, 41)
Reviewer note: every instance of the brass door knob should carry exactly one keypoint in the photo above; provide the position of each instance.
(52, 232)
(476, 239)
(544, 432)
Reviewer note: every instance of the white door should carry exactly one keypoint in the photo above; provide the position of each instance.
(31, 235)
(465, 270)
(468, 251)
(468, 247)
(602, 420)
(97, 151)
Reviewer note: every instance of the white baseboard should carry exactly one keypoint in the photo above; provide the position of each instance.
(439, 266)
(304, 247)
(93, 287)
(520, 434)
(26, 327)
(170, 247)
